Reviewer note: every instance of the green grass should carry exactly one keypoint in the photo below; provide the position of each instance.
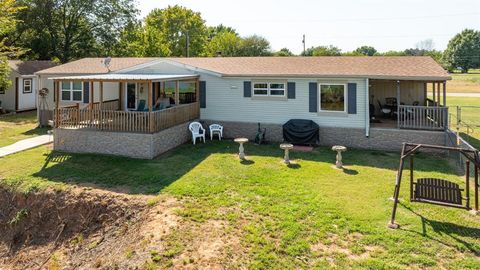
(470, 116)
(19, 126)
(281, 214)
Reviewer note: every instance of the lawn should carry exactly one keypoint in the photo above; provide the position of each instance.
(464, 83)
(19, 126)
(469, 115)
(307, 215)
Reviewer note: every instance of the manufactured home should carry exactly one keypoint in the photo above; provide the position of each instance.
(140, 107)
(22, 93)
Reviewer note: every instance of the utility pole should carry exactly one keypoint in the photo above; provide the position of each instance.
(187, 45)
(303, 41)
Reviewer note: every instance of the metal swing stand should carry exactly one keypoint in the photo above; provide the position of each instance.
(433, 190)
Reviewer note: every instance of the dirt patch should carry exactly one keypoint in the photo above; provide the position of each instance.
(86, 228)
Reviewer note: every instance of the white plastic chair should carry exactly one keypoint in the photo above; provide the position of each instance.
(195, 128)
(216, 129)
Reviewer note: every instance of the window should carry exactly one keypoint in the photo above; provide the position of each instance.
(72, 91)
(2, 90)
(332, 97)
(27, 86)
(187, 92)
(274, 89)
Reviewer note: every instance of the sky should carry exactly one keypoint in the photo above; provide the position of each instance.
(385, 25)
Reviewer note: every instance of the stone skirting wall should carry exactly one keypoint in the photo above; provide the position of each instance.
(134, 145)
(379, 139)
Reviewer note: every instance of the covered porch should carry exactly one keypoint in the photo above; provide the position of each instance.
(146, 103)
(407, 105)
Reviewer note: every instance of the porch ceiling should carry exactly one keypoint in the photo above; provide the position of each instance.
(114, 77)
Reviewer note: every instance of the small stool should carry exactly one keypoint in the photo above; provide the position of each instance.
(241, 150)
(339, 150)
(287, 147)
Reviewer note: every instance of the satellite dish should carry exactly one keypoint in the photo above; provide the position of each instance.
(106, 62)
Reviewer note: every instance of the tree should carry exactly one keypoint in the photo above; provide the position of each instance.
(365, 50)
(323, 51)
(167, 31)
(393, 53)
(463, 51)
(68, 29)
(283, 52)
(224, 43)
(426, 45)
(215, 30)
(255, 46)
(8, 21)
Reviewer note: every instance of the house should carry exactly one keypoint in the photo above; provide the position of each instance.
(140, 107)
(21, 95)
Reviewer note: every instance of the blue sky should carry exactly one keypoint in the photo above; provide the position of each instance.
(386, 25)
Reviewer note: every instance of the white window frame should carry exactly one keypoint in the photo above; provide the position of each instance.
(345, 97)
(29, 85)
(269, 89)
(71, 90)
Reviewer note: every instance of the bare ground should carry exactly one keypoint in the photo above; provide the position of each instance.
(95, 229)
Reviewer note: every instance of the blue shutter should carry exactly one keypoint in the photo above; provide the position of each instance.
(203, 94)
(291, 90)
(313, 97)
(247, 89)
(352, 98)
(86, 92)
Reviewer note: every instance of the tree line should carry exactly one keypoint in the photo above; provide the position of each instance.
(64, 30)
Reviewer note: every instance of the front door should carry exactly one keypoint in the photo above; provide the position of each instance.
(131, 96)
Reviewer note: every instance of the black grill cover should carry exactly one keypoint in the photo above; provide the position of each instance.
(300, 131)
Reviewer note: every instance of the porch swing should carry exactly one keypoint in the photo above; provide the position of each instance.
(433, 190)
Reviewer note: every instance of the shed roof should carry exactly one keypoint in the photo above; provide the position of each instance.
(29, 67)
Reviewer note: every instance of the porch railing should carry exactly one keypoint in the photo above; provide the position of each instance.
(423, 117)
(120, 121)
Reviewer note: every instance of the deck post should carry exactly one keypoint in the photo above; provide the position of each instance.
(150, 101)
(398, 104)
(177, 92)
(57, 102)
(100, 105)
(438, 94)
(90, 105)
(445, 93)
(434, 94)
(120, 99)
(425, 93)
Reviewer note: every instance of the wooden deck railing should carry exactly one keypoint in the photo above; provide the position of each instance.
(110, 105)
(423, 117)
(137, 122)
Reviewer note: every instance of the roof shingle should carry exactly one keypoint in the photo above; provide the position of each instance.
(29, 67)
(96, 66)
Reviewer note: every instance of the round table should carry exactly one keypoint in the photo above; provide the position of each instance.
(286, 147)
(241, 150)
(339, 150)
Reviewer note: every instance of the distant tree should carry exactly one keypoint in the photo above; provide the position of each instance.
(8, 21)
(393, 53)
(463, 51)
(72, 29)
(224, 43)
(132, 42)
(283, 52)
(426, 45)
(167, 31)
(215, 30)
(323, 51)
(365, 50)
(255, 46)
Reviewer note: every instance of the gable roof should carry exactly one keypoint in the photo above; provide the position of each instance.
(96, 66)
(380, 67)
(375, 67)
(29, 67)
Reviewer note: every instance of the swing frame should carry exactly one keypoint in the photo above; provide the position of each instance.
(408, 149)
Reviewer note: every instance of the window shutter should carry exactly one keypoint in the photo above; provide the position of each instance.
(352, 98)
(203, 94)
(247, 89)
(313, 97)
(86, 92)
(291, 90)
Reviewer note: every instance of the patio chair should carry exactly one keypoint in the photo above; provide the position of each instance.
(216, 129)
(141, 105)
(197, 131)
(385, 111)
